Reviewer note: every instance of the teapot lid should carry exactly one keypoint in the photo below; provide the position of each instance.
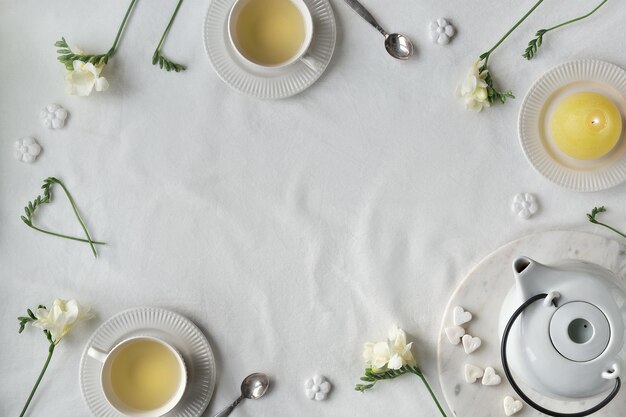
(580, 331)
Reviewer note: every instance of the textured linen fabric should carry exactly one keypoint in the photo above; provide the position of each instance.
(292, 231)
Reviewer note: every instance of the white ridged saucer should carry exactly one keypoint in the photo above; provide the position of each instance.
(534, 125)
(171, 327)
(263, 83)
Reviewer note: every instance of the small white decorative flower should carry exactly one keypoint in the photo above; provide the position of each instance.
(441, 31)
(61, 318)
(524, 205)
(473, 89)
(317, 388)
(53, 116)
(26, 149)
(84, 77)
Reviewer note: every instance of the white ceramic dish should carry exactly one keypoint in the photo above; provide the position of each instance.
(168, 326)
(482, 293)
(534, 119)
(270, 83)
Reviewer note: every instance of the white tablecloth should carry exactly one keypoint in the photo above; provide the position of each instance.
(290, 231)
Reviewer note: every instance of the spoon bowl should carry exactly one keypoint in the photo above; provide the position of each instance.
(398, 46)
(255, 386)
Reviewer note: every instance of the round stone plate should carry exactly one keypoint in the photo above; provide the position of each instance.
(482, 292)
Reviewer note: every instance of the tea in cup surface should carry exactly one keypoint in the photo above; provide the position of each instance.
(269, 32)
(145, 375)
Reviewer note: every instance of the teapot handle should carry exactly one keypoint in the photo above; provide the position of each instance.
(518, 390)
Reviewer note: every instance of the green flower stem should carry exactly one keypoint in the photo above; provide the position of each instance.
(371, 378)
(80, 220)
(95, 242)
(432, 394)
(609, 227)
(43, 371)
(169, 26)
(121, 29)
(486, 55)
(592, 218)
(32, 207)
(537, 41)
(576, 19)
(158, 57)
(67, 56)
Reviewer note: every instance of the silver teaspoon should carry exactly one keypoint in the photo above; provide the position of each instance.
(253, 387)
(396, 44)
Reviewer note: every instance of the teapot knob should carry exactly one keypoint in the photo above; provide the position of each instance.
(612, 373)
(550, 300)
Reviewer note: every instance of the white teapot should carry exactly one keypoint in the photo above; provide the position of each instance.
(562, 330)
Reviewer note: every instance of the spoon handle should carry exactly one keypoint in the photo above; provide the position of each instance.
(230, 408)
(362, 11)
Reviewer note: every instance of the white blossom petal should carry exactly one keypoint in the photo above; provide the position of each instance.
(395, 362)
(102, 84)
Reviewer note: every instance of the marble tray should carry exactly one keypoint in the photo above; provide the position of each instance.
(481, 293)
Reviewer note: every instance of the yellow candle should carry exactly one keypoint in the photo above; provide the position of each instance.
(586, 125)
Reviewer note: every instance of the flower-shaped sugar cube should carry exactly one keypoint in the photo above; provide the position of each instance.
(26, 149)
(317, 388)
(53, 116)
(525, 205)
(441, 31)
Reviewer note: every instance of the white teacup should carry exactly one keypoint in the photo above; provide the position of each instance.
(112, 359)
(300, 54)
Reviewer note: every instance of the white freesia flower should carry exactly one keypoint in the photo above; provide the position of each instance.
(61, 318)
(84, 78)
(401, 350)
(377, 355)
(392, 354)
(473, 89)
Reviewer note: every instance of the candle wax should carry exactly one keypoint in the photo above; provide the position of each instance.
(586, 126)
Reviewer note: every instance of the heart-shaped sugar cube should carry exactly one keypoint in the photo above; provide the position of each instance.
(472, 373)
(512, 406)
(454, 334)
(460, 316)
(470, 343)
(490, 377)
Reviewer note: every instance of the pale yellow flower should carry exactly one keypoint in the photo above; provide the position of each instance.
(84, 78)
(392, 354)
(61, 318)
(473, 89)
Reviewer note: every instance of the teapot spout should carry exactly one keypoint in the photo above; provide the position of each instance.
(529, 276)
(521, 265)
